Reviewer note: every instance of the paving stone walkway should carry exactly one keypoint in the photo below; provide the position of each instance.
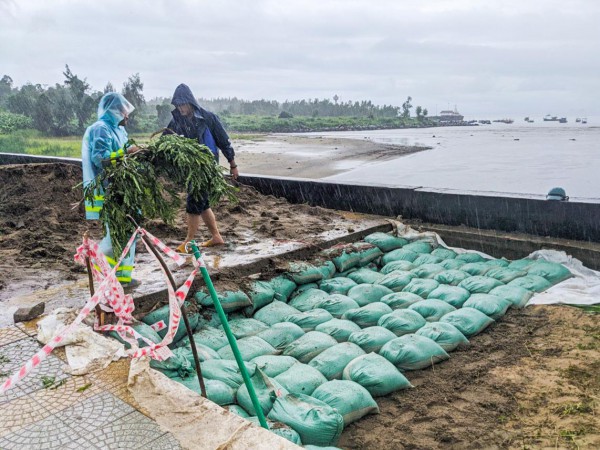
(53, 410)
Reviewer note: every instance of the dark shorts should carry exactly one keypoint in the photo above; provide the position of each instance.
(197, 208)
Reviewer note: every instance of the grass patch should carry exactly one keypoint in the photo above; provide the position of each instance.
(4, 359)
(570, 409)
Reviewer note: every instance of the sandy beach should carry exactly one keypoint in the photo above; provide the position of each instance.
(310, 156)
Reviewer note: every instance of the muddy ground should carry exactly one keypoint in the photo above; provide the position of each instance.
(532, 380)
(40, 228)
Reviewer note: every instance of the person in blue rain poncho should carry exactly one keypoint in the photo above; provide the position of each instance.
(104, 142)
(193, 122)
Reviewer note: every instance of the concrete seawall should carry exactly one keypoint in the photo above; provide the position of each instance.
(566, 220)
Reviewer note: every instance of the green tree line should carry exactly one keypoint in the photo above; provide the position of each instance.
(67, 109)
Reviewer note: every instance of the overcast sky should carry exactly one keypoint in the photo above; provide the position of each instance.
(506, 57)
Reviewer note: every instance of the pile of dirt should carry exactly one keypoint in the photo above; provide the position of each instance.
(42, 220)
(532, 380)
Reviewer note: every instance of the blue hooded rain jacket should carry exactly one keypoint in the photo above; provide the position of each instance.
(105, 139)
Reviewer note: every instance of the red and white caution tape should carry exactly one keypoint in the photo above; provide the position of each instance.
(111, 297)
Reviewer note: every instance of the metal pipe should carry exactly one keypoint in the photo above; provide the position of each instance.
(230, 337)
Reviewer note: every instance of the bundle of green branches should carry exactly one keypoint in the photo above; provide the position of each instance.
(146, 184)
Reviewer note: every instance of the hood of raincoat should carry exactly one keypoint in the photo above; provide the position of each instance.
(183, 94)
(113, 108)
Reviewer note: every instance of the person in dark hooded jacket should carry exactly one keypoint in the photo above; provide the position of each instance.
(194, 122)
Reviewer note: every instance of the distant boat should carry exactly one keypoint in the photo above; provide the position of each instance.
(485, 122)
(583, 120)
(562, 120)
(578, 120)
(528, 120)
(549, 118)
(504, 120)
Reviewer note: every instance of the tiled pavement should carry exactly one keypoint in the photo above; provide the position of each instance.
(94, 411)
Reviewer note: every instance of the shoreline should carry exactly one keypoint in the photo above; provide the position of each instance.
(316, 157)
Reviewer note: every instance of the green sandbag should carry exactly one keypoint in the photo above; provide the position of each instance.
(517, 295)
(365, 276)
(250, 347)
(301, 272)
(308, 299)
(478, 268)
(204, 353)
(363, 294)
(368, 315)
(470, 257)
(339, 329)
(242, 328)
(273, 365)
(385, 242)
(551, 271)
(452, 277)
(177, 365)
(504, 274)
(274, 312)
(367, 253)
(230, 300)
(453, 295)
(376, 374)
(533, 283)
(303, 288)
(479, 284)
(337, 304)
(213, 338)
(444, 253)
(426, 258)
(162, 315)
(396, 280)
(452, 264)
(371, 339)
(280, 429)
(405, 266)
(427, 270)
(266, 388)
(344, 256)
(348, 398)
(497, 262)
(345, 273)
(421, 287)
(445, 334)
(399, 255)
(331, 362)
(238, 411)
(316, 422)
(327, 269)
(413, 352)
(309, 320)
(402, 321)
(279, 335)
(340, 285)
(432, 309)
(283, 288)
(400, 300)
(520, 264)
(208, 318)
(226, 370)
(491, 305)
(301, 379)
(308, 346)
(421, 246)
(146, 331)
(261, 293)
(469, 321)
(216, 390)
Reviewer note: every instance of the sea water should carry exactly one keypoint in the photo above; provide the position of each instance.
(518, 158)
